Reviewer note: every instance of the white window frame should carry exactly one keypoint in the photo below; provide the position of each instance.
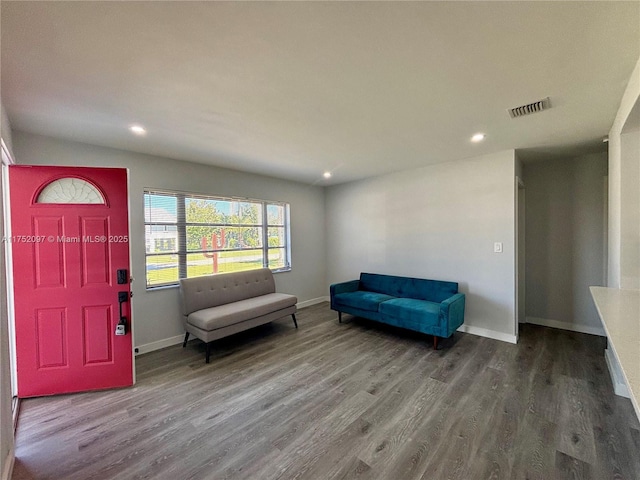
(181, 225)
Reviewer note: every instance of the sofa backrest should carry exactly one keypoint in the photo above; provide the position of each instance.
(420, 288)
(213, 290)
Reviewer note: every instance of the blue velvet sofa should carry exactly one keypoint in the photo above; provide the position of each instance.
(428, 306)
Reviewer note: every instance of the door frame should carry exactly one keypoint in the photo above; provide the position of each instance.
(520, 267)
(7, 159)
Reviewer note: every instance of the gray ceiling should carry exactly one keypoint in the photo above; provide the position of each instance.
(294, 89)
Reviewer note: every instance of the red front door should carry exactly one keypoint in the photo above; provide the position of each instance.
(70, 251)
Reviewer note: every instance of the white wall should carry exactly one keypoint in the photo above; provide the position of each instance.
(437, 222)
(620, 162)
(5, 129)
(565, 241)
(156, 313)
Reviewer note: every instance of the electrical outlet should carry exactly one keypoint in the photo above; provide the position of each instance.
(497, 247)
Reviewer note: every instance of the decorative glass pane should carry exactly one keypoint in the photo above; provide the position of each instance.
(70, 190)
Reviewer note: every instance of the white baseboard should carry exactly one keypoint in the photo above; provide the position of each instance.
(167, 342)
(313, 301)
(8, 465)
(619, 385)
(574, 327)
(484, 332)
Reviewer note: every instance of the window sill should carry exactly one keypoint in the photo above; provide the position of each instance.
(162, 287)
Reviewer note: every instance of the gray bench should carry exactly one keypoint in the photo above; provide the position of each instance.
(216, 306)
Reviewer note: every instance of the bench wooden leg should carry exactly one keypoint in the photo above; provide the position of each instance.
(339, 317)
(435, 342)
(293, 315)
(186, 339)
(208, 351)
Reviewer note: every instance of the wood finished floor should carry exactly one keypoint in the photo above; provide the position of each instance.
(356, 400)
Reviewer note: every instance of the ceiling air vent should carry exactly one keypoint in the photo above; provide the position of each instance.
(530, 108)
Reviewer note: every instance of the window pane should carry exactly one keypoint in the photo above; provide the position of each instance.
(275, 214)
(199, 210)
(245, 213)
(162, 270)
(199, 264)
(206, 238)
(276, 236)
(244, 237)
(223, 238)
(277, 258)
(160, 208)
(161, 238)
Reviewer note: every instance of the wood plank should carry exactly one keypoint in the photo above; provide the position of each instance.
(339, 401)
(575, 425)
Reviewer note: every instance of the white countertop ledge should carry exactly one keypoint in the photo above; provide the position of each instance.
(620, 313)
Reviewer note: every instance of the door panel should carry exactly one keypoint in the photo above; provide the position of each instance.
(97, 322)
(48, 266)
(51, 337)
(65, 258)
(95, 259)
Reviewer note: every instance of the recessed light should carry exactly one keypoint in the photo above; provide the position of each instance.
(137, 129)
(326, 174)
(478, 137)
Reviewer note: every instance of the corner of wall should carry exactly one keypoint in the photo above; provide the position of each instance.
(628, 101)
(5, 129)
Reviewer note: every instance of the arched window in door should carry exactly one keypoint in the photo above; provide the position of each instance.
(70, 190)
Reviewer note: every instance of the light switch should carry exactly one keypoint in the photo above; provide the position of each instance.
(497, 247)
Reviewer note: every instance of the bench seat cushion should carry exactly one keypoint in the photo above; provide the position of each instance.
(362, 299)
(222, 316)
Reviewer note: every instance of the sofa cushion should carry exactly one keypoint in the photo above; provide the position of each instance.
(411, 311)
(362, 299)
(406, 287)
(224, 315)
(198, 293)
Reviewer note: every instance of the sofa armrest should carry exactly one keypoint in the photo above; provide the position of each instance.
(452, 312)
(344, 287)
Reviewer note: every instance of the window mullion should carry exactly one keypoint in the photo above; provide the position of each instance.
(182, 236)
(265, 236)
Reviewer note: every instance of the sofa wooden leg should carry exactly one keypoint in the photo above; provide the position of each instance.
(186, 339)
(293, 315)
(339, 317)
(207, 351)
(435, 342)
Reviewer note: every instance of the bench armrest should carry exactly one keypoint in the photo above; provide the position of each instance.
(452, 312)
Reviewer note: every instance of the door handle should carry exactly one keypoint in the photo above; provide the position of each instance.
(121, 328)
